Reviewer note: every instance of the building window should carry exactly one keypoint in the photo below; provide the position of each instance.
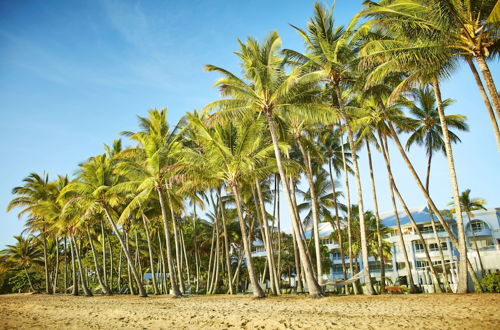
(422, 264)
(477, 225)
(419, 247)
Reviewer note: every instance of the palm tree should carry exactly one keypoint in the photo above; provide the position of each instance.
(468, 206)
(236, 153)
(23, 254)
(331, 53)
(429, 134)
(266, 90)
(150, 168)
(93, 195)
(36, 189)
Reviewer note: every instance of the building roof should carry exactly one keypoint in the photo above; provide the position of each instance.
(419, 214)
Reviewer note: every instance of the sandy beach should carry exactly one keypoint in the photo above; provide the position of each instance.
(26, 311)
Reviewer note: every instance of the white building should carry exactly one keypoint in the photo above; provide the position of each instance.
(483, 229)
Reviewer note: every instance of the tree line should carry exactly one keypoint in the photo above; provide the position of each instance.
(190, 200)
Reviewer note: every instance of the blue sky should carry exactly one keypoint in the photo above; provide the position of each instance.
(75, 73)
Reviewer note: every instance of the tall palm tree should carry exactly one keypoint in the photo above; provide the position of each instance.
(36, 189)
(429, 134)
(331, 53)
(23, 254)
(468, 206)
(266, 90)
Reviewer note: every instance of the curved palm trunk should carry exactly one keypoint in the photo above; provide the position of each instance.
(171, 270)
(314, 207)
(337, 222)
(86, 290)
(490, 84)
(348, 200)
(451, 235)
(257, 290)
(312, 284)
(409, 276)
(377, 217)
(56, 269)
(268, 243)
(177, 248)
(29, 279)
(226, 242)
(150, 250)
(486, 100)
(362, 226)
(105, 289)
(138, 280)
(434, 230)
(462, 271)
(476, 248)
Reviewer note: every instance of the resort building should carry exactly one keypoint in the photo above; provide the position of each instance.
(482, 232)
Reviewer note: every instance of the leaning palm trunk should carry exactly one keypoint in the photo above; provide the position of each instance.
(104, 287)
(314, 207)
(315, 289)
(490, 84)
(486, 100)
(268, 243)
(177, 247)
(377, 217)
(451, 235)
(476, 248)
(150, 250)
(462, 275)
(138, 280)
(434, 230)
(104, 268)
(171, 269)
(56, 269)
(362, 226)
(86, 290)
(226, 241)
(257, 290)
(409, 275)
(29, 279)
(435, 280)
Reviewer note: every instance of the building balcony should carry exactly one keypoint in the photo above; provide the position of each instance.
(480, 232)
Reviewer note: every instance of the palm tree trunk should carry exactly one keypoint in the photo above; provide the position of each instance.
(462, 275)
(257, 290)
(267, 242)
(337, 222)
(86, 290)
(314, 207)
(348, 200)
(65, 265)
(29, 279)
(434, 230)
(177, 248)
(104, 268)
(477, 249)
(377, 217)
(362, 226)
(48, 288)
(486, 100)
(490, 84)
(409, 275)
(142, 290)
(74, 271)
(226, 240)
(103, 285)
(150, 250)
(312, 284)
(56, 270)
(171, 269)
(120, 271)
(451, 235)
(110, 284)
(163, 270)
(183, 243)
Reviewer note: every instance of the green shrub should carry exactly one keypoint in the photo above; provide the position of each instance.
(491, 282)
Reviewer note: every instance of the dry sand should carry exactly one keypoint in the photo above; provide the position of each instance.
(223, 312)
